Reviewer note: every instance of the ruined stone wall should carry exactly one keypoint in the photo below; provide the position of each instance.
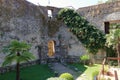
(20, 20)
(101, 13)
(25, 21)
(57, 31)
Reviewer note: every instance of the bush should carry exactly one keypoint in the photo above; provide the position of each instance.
(67, 76)
(84, 58)
(113, 63)
(56, 78)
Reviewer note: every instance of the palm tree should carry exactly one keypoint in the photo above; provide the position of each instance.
(113, 39)
(17, 52)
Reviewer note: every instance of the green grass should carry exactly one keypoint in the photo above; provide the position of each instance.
(88, 70)
(36, 72)
(91, 69)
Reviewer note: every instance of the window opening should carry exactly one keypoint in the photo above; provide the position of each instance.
(50, 13)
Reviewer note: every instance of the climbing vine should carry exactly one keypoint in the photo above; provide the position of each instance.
(91, 37)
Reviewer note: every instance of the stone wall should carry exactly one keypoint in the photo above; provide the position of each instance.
(20, 20)
(98, 14)
(25, 21)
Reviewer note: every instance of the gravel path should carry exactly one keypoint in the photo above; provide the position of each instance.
(63, 69)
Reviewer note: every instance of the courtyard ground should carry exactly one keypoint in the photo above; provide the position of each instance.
(35, 72)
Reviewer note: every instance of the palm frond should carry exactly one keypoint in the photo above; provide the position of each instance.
(13, 49)
(9, 60)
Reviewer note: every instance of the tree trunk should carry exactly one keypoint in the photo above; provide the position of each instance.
(18, 71)
(18, 68)
(39, 53)
(92, 60)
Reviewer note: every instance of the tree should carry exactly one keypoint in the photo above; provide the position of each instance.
(113, 39)
(17, 52)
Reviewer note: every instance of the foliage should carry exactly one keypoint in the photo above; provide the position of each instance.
(112, 39)
(92, 38)
(115, 26)
(113, 63)
(110, 52)
(17, 47)
(56, 78)
(17, 52)
(84, 57)
(67, 76)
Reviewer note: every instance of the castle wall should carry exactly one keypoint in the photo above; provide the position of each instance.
(27, 22)
(98, 14)
(20, 20)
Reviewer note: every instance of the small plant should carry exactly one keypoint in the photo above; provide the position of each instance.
(56, 78)
(84, 58)
(67, 76)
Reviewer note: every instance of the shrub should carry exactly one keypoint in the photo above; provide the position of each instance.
(56, 78)
(84, 58)
(67, 76)
(113, 63)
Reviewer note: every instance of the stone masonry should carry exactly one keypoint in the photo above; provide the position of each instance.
(98, 14)
(25, 21)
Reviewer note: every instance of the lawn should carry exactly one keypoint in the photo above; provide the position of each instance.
(87, 70)
(35, 72)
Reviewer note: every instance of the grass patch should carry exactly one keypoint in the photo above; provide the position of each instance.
(35, 72)
(91, 69)
(88, 70)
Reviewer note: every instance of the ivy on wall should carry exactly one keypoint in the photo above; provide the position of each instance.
(91, 37)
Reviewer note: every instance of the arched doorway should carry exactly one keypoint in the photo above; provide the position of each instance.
(51, 48)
